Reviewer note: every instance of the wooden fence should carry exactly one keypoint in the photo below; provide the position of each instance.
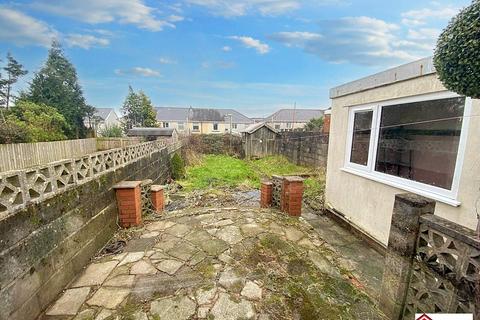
(113, 143)
(24, 155)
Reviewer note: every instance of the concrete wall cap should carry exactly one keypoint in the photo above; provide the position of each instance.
(293, 178)
(127, 184)
(413, 199)
(156, 188)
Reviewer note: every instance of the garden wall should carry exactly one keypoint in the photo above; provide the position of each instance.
(45, 243)
(216, 144)
(303, 147)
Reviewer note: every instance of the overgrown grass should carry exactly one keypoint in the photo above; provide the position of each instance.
(219, 171)
(225, 171)
(279, 165)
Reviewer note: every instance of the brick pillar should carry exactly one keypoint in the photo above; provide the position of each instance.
(266, 192)
(401, 249)
(292, 195)
(158, 198)
(129, 203)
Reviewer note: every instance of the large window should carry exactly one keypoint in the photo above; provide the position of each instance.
(196, 127)
(215, 127)
(411, 143)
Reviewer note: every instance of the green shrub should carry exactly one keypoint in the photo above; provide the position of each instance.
(37, 122)
(113, 131)
(457, 56)
(178, 167)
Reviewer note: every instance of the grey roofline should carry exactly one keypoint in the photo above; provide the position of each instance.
(404, 72)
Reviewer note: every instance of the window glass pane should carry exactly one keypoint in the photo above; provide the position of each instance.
(419, 140)
(362, 129)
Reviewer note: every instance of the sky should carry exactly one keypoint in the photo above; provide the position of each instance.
(255, 56)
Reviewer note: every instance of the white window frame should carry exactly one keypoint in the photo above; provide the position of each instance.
(181, 126)
(213, 127)
(196, 124)
(440, 194)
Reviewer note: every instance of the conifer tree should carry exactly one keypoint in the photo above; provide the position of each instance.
(56, 85)
(13, 71)
(138, 110)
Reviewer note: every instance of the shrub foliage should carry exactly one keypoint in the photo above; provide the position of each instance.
(178, 167)
(457, 56)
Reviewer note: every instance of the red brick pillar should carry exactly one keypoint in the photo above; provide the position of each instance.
(129, 203)
(266, 194)
(158, 198)
(292, 195)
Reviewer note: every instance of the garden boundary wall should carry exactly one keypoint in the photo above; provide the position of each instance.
(55, 217)
(305, 148)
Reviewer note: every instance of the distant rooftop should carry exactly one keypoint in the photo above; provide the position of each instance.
(301, 115)
(200, 114)
(404, 72)
(103, 113)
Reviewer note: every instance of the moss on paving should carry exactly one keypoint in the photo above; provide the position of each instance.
(296, 288)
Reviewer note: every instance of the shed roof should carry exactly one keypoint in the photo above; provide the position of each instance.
(254, 127)
(301, 115)
(142, 132)
(404, 72)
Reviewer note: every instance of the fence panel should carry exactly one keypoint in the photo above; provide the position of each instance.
(23, 155)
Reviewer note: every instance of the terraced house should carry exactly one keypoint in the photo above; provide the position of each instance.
(288, 119)
(202, 120)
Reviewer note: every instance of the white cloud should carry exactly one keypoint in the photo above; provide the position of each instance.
(134, 12)
(228, 8)
(175, 18)
(250, 42)
(358, 40)
(165, 60)
(420, 16)
(139, 71)
(21, 29)
(85, 41)
(227, 49)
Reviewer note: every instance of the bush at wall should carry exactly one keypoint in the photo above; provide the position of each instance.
(178, 167)
(457, 56)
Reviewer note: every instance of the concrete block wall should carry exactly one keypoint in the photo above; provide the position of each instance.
(304, 148)
(46, 244)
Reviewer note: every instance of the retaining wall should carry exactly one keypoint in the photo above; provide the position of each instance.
(45, 243)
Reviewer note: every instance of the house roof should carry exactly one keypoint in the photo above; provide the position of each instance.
(172, 114)
(205, 115)
(200, 114)
(254, 127)
(301, 115)
(103, 113)
(142, 132)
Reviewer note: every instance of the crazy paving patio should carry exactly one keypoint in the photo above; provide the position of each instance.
(218, 263)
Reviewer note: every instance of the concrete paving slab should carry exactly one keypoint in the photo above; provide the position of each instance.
(69, 303)
(95, 274)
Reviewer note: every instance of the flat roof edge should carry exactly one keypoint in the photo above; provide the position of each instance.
(404, 72)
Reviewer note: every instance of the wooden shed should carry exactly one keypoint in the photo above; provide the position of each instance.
(259, 140)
